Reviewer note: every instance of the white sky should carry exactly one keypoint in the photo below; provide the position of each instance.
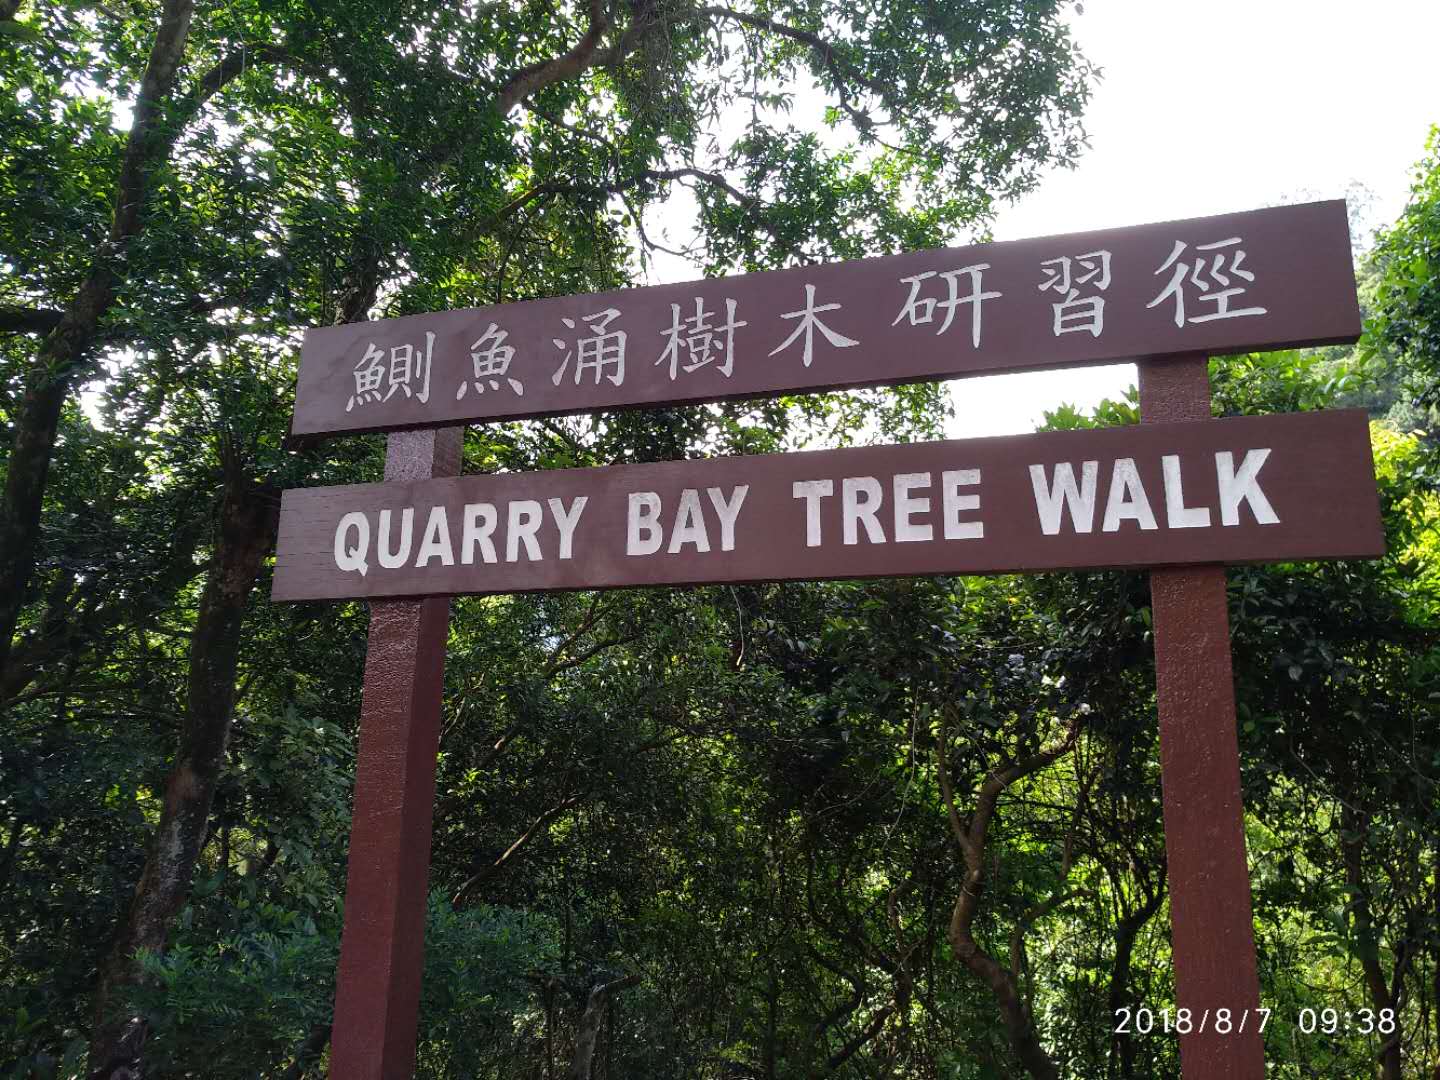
(1209, 107)
(1217, 106)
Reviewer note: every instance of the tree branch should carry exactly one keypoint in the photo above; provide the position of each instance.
(1019, 962)
(947, 791)
(1003, 982)
(822, 49)
(23, 320)
(713, 178)
(589, 1027)
(533, 79)
(148, 143)
(588, 620)
(231, 66)
(586, 654)
(308, 1052)
(639, 177)
(485, 873)
(755, 206)
(877, 1023)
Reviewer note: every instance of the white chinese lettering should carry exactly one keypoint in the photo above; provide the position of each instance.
(702, 341)
(407, 366)
(920, 309)
(1076, 313)
(369, 375)
(491, 358)
(1219, 272)
(409, 372)
(809, 321)
(604, 350)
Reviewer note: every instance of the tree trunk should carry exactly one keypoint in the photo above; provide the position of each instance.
(1019, 1024)
(66, 348)
(590, 1025)
(549, 988)
(970, 838)
(66, 626)
(308, 1052)
(36, 423)
(772, 1008)
(247, 526)
(1123, 1044)
(12, 847)
(1353, 825)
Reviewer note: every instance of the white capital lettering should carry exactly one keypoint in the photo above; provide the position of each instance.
(950, 484)
(1127, 501)
(436, 542)
(728, 512)
(566, 521)
(480, 519)
(388, 559)
(906, 507)
(855, 509)
(1177, 514)
(1052, 499)
(812, 491)
(689, 524)
(642, 531)
(1238, 487)
(524, 522)
(354, 558)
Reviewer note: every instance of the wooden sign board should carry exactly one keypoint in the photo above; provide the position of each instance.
(1248, 489)
(1263, 279)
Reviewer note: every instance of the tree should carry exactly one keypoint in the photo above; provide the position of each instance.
(285, 167)
(1406, 298)
(460, 122)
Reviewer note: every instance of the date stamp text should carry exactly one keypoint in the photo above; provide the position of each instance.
(1143, 1020)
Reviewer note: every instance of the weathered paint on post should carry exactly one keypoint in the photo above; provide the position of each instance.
(1212, 931)
(377, 995)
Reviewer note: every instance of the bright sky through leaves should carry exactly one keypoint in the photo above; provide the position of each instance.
(1207, 109)
(1221, 107)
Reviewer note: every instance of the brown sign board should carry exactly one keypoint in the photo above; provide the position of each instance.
(1247, 489)
(1262, 279)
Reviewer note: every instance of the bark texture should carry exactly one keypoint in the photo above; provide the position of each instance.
(36, 422)
(590, 1024)
(308, 1053)
(970, 837)
(247, 531)
(1126, 934)
(69, 623)
(1353, 825)
(67, 347)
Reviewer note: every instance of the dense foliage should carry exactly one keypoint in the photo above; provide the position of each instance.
(730, 807)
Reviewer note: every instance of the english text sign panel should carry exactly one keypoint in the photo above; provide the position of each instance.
(1258, 280)
(1248, 489)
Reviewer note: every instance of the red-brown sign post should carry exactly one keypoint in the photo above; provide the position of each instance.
(1212, 933)
(377, 995)
(1182, 494)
